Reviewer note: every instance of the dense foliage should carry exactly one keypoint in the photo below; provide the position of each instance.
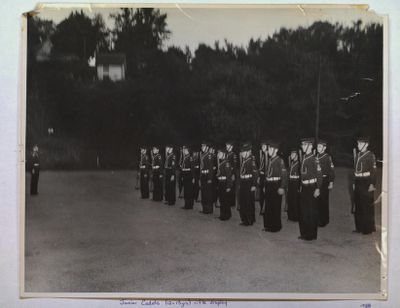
(267, 90)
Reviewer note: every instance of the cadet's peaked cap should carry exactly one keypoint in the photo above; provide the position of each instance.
(205, 143)
(169, 145)
(143, 147)
(221, 149)
(307, 140)
(156, 146)
(186, 146)
(265, 141)
(246, 146)
(293, 150)
(323, 142)
(363, 139)
(274, 144)
(229, 142)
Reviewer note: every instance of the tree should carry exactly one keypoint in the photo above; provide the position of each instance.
(80, 35)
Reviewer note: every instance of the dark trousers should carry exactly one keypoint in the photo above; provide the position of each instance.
(34, 182)
(364, 215)
(246, 202)
(323, 204)
(261, 198)
(232, 194)
(196, 187)
(293, 200)
(180, 183)
(170, 187)
(272, 213)
(188, 189)
(308, 221)
(157, 186)
(223, 195)
(207, 195)
(144, 184)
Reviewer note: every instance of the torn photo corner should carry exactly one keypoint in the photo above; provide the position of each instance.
(136, 117)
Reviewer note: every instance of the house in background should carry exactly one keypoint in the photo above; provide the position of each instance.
(111, 66)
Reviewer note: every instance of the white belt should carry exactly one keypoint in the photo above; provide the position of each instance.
(273, 179)
(362, 174)
(142, 167)
(168, 167)
(186, 169)
(311, 181)
(36, 165)
(294, 177)
(156, 167)
(246, 176)
(222, 178)
(197, 167)
(324, 175)
(205, 171)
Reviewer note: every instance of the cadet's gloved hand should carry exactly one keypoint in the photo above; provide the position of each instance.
(145, 175)
(209, 181)
(354, 186)
(316, 193)
(172, 177)
(281, 191)
(253, 188)
(371, 188)
(258, 181)
(192, 181)
(160, 176)
(330, 186)
(33, 171)
(228, 190)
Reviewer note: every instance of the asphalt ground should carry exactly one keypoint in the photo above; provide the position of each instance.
(91, 232)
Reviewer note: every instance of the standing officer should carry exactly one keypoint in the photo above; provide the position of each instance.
(187, 169)
(311, 179)
(263, 159)
(232, 158)
(180, 177)
(35, 169)
(293, 195)
(170, 180)
(196, 163)
(328, 176)
(144, 165)
(275, 180)
(214, 179)
(364, 187)
(206, 179)
(225, 183)
(157, 165)
(248, 182)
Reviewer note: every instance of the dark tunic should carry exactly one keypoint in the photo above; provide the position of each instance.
(311, 179)
(170, 179)
(157, 164)
(144, 165)
(248, 179)
(225, 182)
(364, 176)
(232, 159)
(34, 169)
(188, 179)
(262, 166)
(275, 178)
(206, 179)
(293, 194)
(328, 175)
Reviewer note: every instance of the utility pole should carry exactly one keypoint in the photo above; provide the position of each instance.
(318, 99)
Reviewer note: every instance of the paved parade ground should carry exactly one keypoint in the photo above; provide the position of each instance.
(89, 231)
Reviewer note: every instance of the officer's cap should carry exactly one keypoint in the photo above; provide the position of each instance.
(246, 147)
(363, 139)
(307, 140)
(323, 142)
(274, 144)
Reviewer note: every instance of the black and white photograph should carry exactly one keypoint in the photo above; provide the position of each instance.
(204, 151)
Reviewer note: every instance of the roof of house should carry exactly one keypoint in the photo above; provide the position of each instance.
(110, 58)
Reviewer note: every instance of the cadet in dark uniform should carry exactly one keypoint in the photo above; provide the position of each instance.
(187, 169)
(170, 175)
(144, 165)
(248, 182)
(35, 169)
(293, 194)
(157, 167)
(206, 179)
(364, 187)
(232, 159)
(275, 180)
(225, 185)
(196, 163)
(214, 180)
(179, 170)
(328, 176)
(311, 179)
(263, 159)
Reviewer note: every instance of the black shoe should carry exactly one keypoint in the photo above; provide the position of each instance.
(301, 238)
(243, 224)
(356, 231)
